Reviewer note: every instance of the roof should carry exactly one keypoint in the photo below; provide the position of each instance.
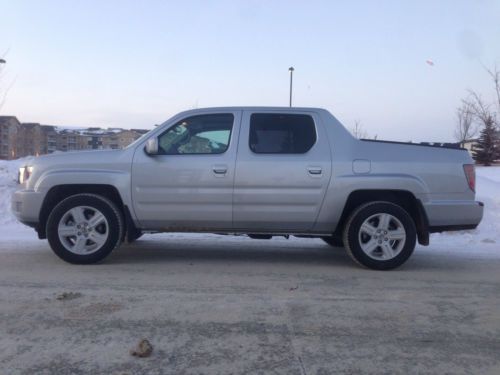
(258, 108)
(30, 124)
(194, 111)
(6, 118)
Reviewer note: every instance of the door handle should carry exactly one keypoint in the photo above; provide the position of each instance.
(220, 170)
(315, 170)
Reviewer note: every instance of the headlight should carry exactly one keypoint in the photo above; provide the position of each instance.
(24, 174)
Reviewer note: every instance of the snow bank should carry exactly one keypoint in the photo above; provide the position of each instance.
(8, 183)
(486, 235)
(488, 232)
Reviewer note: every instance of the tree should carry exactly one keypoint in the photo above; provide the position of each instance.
(358, 131)
(3, 90)
(2, 94)
(466, 127)
(487, 149)
(495, 77)
(486, 115)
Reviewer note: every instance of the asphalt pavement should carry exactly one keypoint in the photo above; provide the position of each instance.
(231, 305)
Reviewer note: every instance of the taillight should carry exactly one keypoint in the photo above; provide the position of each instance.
(470, 174)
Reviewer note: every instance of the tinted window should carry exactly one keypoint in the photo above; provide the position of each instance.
(281, 133)
(203, 134)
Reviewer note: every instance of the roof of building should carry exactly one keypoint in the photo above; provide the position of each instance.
(88, 131)
(6, 118)
(30, 125)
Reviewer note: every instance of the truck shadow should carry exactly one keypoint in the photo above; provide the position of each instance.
(233, 250)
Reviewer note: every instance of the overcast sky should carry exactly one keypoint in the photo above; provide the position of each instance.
(136, 63)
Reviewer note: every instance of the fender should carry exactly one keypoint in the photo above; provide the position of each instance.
(343, 185)
(119, 179)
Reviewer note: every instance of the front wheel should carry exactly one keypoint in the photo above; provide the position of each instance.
(84, 228)
(380, 235)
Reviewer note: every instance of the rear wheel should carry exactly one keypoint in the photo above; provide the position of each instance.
(380, 235)
(84, 228)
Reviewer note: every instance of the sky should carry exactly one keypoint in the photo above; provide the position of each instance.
(134, 64)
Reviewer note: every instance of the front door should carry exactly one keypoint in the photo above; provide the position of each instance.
(283, 169)
(189, 185)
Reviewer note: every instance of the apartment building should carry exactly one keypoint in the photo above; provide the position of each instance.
(23, 139)
(9, 127)
(33, 139)
(111, 138)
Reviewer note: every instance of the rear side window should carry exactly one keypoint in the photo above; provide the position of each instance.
(272, 133)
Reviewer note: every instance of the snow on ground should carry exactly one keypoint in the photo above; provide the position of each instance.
(488, 231)
(8, 183)
(486, 236)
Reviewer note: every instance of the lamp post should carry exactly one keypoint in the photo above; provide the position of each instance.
(291, 69)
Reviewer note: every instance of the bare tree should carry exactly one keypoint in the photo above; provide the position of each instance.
(358, 131)
(466, 127)
(2, 94)
(480, 109)
(495, 76)
(487, 149)
(4, 88)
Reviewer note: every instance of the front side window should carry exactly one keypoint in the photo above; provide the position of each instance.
(272, 133)
(202, 134)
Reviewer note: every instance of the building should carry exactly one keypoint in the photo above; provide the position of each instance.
(9, 128)
(469, 145)
(35, 139)
(111, 138)
(126, 137)
(24, 139)
(67, 140)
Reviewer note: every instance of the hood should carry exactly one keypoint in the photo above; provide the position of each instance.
(84, 161)
(78, 155)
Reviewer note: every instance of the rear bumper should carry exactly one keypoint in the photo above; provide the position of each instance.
(453, 215)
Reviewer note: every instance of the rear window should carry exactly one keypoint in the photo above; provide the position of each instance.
(272, 133)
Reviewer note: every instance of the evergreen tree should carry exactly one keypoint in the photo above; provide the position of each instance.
(487, 149)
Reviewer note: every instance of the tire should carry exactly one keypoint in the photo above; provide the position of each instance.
(380, 235)
(84, 228)
(333, 241)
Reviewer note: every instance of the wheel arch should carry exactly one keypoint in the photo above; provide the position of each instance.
(59, 192)
(403, 198)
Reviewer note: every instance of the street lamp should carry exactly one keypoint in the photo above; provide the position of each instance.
(2, 61)
(291, 69)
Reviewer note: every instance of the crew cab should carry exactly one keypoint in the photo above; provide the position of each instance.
(260, 171)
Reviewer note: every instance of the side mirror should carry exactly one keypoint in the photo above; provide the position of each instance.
(151, 146)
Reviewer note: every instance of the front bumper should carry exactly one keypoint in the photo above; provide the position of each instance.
(453, 215)
(26, 205)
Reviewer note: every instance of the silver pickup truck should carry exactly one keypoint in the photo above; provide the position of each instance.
(258, 171)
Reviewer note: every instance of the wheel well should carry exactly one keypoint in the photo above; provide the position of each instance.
(402, 198)
(57, 193)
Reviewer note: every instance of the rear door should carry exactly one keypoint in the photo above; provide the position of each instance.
(283, 169)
